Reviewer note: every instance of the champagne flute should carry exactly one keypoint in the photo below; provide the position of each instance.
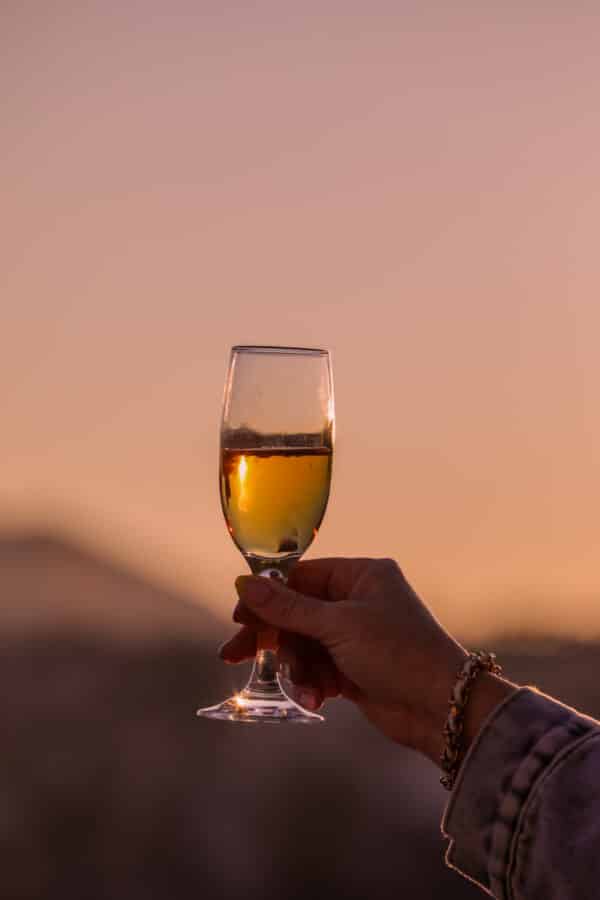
(276, 454)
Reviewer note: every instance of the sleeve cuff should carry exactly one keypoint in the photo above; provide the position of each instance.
(516, 743)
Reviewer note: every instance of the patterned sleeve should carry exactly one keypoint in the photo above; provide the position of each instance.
(524, 817)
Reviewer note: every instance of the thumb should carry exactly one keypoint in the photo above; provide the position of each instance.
(281, 607)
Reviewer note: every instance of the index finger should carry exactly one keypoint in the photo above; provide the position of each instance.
(329, 579)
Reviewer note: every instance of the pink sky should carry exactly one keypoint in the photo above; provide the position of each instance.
(415, 186)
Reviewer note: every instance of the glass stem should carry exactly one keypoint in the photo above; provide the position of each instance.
(263, 678)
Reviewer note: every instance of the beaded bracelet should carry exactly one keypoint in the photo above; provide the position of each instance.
(453, 729)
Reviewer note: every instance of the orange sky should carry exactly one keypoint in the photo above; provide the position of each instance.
(413, 185)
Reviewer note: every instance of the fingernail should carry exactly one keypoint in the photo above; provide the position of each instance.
(236, 614)
(222, 651)
(307, 699)
(255, 590)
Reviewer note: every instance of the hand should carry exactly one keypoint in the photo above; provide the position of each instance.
(357, 628)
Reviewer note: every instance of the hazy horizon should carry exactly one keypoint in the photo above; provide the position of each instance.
(496, 624)
(412, 186)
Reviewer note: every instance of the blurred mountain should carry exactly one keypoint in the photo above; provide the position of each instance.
(112, 789)
(50, 582)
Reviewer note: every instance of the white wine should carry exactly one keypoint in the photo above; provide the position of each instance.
(274, 498)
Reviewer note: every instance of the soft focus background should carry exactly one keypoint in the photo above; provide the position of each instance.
(415, 186)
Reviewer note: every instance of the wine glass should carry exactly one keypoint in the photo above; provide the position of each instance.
(275, 470)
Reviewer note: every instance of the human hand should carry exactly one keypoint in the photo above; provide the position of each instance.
(356, 627)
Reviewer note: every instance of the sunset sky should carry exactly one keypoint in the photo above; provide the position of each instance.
(413, 185)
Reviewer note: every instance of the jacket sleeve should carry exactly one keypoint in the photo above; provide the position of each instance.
(524, 817)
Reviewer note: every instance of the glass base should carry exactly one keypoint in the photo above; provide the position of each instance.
(248, 706)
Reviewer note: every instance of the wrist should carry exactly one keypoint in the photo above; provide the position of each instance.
(433, 712)
(487, 692)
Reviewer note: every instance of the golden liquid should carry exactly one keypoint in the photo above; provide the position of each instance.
(274, 499)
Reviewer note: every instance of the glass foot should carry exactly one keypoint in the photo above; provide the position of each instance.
(248, 706)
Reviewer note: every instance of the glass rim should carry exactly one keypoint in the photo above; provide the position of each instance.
(274, 348)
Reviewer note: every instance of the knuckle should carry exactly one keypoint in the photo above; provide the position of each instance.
(339, 619)
(386, 566)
